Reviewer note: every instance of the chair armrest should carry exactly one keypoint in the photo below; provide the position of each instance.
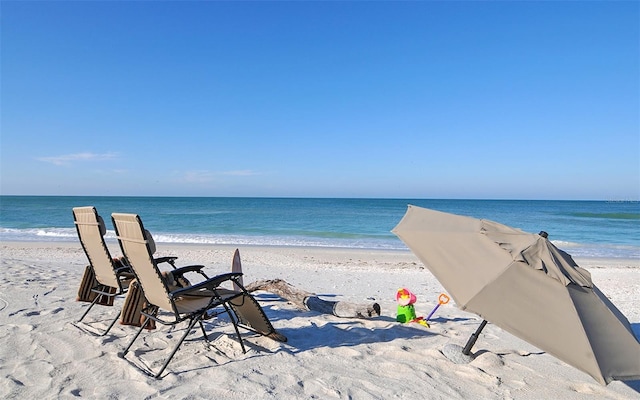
(179, 272)
(188, 268)
(210, 284)
(171, 260)
(122, 268)
(126, 274)
(125, 271)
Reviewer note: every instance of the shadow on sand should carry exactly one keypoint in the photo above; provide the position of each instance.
(635, 384)
(348, 333)
(352, 332)
(335, 332)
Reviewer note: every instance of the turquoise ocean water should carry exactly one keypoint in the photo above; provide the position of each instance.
(582, 228)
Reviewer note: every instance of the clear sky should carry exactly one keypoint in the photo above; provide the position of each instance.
(478, 100)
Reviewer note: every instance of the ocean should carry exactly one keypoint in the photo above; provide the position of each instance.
(591, 229)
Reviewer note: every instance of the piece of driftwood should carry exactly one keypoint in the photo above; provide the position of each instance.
(309, 301)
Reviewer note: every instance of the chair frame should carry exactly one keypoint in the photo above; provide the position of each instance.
(118, 273)
(99, 257)
(210, 288)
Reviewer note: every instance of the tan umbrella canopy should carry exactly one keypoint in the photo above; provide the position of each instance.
(522, 283)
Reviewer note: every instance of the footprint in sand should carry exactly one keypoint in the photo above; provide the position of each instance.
(226, 347)
(3, 304)
(18, 329)
(488, 360)
(477, 375)
(587, 388)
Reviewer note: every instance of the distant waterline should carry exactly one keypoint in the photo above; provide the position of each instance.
(582, 228)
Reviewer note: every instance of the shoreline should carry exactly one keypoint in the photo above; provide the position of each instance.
(590, 262)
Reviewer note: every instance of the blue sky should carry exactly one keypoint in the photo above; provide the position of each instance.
(478, 100)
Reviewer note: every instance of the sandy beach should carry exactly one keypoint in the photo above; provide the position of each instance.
(45, 355)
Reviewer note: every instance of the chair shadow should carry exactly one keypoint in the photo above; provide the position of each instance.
(345, 334)
(333, 334)
(342, 331)
(634, 384)
(351, 332)
(636, 330)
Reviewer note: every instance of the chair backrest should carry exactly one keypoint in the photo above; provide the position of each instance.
(91, 230)
(136, 244)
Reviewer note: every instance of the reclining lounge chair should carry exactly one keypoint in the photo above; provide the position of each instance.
(112, 278)
(194, 303)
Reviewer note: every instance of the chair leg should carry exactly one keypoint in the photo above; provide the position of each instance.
(144, 325)
(112, 323)
(93, 303)
(204, 333)
(235, 326)
(175, 349)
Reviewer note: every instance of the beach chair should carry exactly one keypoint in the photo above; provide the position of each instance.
(105, 277)
(194, 303)
(109, 277)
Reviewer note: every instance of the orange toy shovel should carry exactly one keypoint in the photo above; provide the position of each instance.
(442, 299)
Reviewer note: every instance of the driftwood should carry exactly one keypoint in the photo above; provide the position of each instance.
(309, 301)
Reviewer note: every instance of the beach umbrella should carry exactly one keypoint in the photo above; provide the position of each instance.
(522, 283)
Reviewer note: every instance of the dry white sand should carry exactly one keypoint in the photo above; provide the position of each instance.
(44, 355)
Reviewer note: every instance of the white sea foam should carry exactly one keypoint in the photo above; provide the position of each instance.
(279, 241)
(69, 234)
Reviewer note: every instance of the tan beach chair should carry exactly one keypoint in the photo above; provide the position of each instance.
(111, 278)
(194, 303)
(105, 277)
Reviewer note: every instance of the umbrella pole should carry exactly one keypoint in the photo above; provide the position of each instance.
(472, 340)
